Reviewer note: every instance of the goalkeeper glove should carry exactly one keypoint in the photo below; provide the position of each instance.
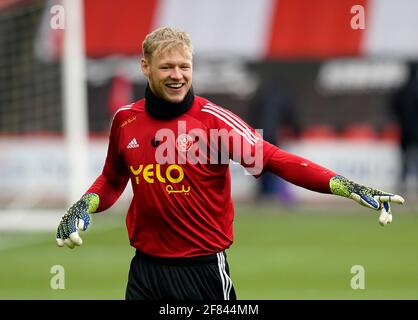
(76, 218)
(368, 197)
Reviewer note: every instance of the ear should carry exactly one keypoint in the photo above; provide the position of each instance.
(145, 67)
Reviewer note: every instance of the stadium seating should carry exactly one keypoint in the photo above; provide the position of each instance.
(359, 131)
(319, 132)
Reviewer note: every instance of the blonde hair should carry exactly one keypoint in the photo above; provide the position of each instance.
(165, 39)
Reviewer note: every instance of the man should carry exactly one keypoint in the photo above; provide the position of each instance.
(175, 148)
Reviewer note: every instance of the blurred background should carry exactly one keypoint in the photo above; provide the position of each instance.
(333, 81)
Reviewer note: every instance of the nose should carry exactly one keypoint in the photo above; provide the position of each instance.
(176, 74)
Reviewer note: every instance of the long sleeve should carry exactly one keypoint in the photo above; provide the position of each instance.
(299, 171)
(247, 147)
(112, 182)
(108, 191)
(238, 141)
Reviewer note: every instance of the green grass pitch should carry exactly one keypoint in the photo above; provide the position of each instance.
(277, 254)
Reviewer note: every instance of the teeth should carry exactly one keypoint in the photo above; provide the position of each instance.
(174, 85)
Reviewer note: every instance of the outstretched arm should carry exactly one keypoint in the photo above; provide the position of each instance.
(309, 175)
(295, 169)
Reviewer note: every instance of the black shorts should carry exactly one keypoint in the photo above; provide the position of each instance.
(197, 278)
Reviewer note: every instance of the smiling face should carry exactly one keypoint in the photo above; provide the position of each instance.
(169, 74)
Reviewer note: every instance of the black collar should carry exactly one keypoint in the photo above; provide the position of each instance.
(163, 109)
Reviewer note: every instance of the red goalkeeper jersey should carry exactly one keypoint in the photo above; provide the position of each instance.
(179, 172)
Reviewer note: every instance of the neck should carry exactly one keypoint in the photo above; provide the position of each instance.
(162, 109)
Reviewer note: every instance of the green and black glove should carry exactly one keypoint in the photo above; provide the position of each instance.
(368, 197)
(76, 218)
